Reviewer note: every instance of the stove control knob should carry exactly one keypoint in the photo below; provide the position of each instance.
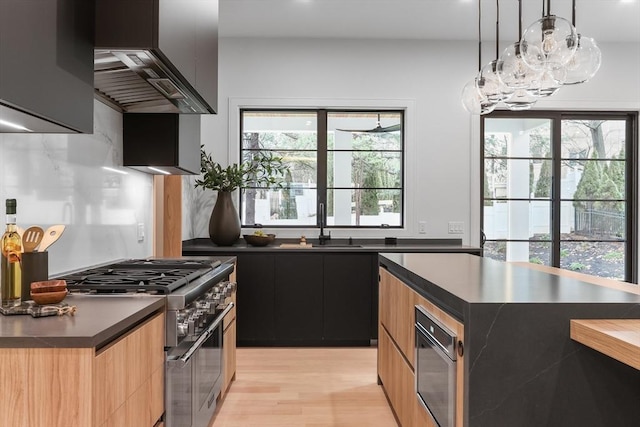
(183, 328)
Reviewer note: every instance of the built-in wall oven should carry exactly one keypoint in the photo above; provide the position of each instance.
(436, 368)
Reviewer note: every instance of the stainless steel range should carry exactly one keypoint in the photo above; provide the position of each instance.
(196, 289)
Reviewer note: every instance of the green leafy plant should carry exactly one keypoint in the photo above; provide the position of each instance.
(577, 266)
(614, 256)
(536, 260)
(261, 169)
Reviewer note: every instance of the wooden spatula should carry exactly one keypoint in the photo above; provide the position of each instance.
(52, 234)
(31, 238)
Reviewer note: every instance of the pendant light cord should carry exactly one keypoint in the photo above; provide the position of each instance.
(479, 34)
(573, 13)
(497, 29)
(520, 19)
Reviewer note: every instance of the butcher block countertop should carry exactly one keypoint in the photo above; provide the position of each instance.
(617, 338)
(98, 320)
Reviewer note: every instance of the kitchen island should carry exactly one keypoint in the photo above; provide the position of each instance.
(102, 366)
(520, 366)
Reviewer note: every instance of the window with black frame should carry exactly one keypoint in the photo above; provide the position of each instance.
(350, 161)
(559, 190)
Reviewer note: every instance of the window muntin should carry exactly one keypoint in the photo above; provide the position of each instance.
(354, 165)
(576, 170)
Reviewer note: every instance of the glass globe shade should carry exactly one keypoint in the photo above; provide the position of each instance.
(549, 83)
(521, 100)
(548, 43)
(585, 62)
(474, 101)
(493, 88)
(513, 71)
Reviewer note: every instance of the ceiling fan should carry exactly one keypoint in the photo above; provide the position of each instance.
(377, 129)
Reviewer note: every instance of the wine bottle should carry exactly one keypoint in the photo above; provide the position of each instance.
(11, 271)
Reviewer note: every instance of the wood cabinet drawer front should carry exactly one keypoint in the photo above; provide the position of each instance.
(229, 341)
(125, 369)
(397, 312)
(144, 407)
(398, 380)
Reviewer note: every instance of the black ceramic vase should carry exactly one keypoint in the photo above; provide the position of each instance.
(224, 224)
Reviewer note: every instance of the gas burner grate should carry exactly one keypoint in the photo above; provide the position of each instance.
(121, 278)
(168, 263)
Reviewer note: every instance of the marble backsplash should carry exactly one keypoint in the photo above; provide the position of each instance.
(61, 179)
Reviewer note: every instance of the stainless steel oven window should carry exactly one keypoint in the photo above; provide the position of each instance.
(435, 368)
(208, 371)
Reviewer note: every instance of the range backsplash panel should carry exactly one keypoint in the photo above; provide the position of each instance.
(60, 179)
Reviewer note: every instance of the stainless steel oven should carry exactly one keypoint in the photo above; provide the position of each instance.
(436, 368)
(196, 289)
(194, 376)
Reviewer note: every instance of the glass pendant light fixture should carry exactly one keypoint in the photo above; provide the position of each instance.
(586, 61)
(549, 55)
(474, 101)
(549, 83)
(494, 89)
(517, 75)
(473, 98)
(550, 42)
(520, 100)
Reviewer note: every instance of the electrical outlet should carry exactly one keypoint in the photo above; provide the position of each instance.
(141, 232)
(456, 227)
(422, 227)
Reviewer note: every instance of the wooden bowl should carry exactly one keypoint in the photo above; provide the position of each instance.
(48, 286)
(255, 240)
(43, 298)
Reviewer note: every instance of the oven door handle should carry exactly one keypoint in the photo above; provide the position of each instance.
(182, 361)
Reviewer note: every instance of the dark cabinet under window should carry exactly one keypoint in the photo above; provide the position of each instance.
(348, 295)
(305, 299)
(298, 298)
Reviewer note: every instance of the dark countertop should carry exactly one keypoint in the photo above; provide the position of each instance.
(456, 280)
(97, 321)
(203, 246)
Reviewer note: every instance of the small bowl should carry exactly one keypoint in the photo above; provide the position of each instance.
(256, 240)
(48, 286)
(48, 297)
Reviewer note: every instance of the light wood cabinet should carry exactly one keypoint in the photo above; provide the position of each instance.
(229, 349)
(397, 313)
(396, 350)
(119, 385)
(398, 379)
(129, 378)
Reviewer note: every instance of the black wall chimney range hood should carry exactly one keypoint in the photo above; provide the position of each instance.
(46, 66)
(157, 56)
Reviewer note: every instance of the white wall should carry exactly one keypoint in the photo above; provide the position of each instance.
(442, 151)
(58, 179)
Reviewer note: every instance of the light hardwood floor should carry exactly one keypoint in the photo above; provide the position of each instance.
(305, 387)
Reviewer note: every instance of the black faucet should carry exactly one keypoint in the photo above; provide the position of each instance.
(322, 237)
